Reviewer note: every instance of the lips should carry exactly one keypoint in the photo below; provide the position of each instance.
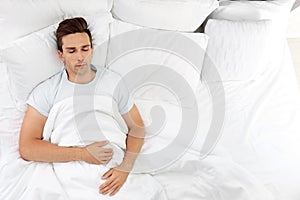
(80, 65)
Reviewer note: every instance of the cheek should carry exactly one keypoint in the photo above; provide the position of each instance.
(85, 54)
(70, 58)
(89, 55)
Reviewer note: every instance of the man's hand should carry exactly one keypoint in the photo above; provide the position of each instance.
(116, 177)
(96, 154)
(115, 180)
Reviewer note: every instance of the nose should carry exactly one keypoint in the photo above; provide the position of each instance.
(80, 57)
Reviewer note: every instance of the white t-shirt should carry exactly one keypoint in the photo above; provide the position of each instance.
(58, 87)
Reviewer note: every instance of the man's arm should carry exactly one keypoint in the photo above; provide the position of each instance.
(32, 147)
(135, 138)
(116, 177)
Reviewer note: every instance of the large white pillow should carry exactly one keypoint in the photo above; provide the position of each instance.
(252, 10)
(32, 59)
(170, 60)
(168, 14)
(19, 18)
(239, 50)
(84, 8)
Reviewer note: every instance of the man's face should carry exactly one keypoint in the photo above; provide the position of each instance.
(77, 54)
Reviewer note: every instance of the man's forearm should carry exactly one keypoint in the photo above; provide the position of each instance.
(43, 151)
(134, 143)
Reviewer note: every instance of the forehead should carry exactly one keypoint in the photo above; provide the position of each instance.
(75, 40)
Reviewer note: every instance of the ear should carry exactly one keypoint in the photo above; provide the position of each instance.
(60, 55)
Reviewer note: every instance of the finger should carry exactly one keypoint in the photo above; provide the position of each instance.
(105, 185)
(112, 190)
(115, 191)
(109, 188)
(106, 160)
(109, 155)
(107, 174)
(109, 159)
(102, 143)
(102, 159)
(107, 150)
(104, 155)
(104, 152)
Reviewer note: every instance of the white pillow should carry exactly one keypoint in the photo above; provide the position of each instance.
(19, 18)
(168, 14)
(84, 8)
(33, 58)
(239, 50)
(170, 60)
(252, 10)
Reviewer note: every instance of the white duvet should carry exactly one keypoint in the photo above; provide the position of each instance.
(78, 179)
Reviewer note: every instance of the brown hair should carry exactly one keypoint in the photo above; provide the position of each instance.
(70, 26)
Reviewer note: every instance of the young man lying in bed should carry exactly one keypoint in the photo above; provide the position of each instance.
(75, 49)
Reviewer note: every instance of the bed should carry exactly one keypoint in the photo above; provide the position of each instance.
(220, 103)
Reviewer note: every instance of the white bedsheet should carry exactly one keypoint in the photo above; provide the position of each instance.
(213, 178)
(262, 129)
(274, 131)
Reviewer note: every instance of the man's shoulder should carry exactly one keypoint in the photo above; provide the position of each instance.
(42, 96)
(50, 82)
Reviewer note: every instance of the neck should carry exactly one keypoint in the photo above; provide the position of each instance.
(81, 78)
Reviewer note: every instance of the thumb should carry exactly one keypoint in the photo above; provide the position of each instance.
(107, 174)
(102, 143)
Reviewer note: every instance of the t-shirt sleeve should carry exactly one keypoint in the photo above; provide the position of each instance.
(39, 99)
(124, 98)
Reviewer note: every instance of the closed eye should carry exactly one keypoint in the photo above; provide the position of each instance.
(86, 48)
